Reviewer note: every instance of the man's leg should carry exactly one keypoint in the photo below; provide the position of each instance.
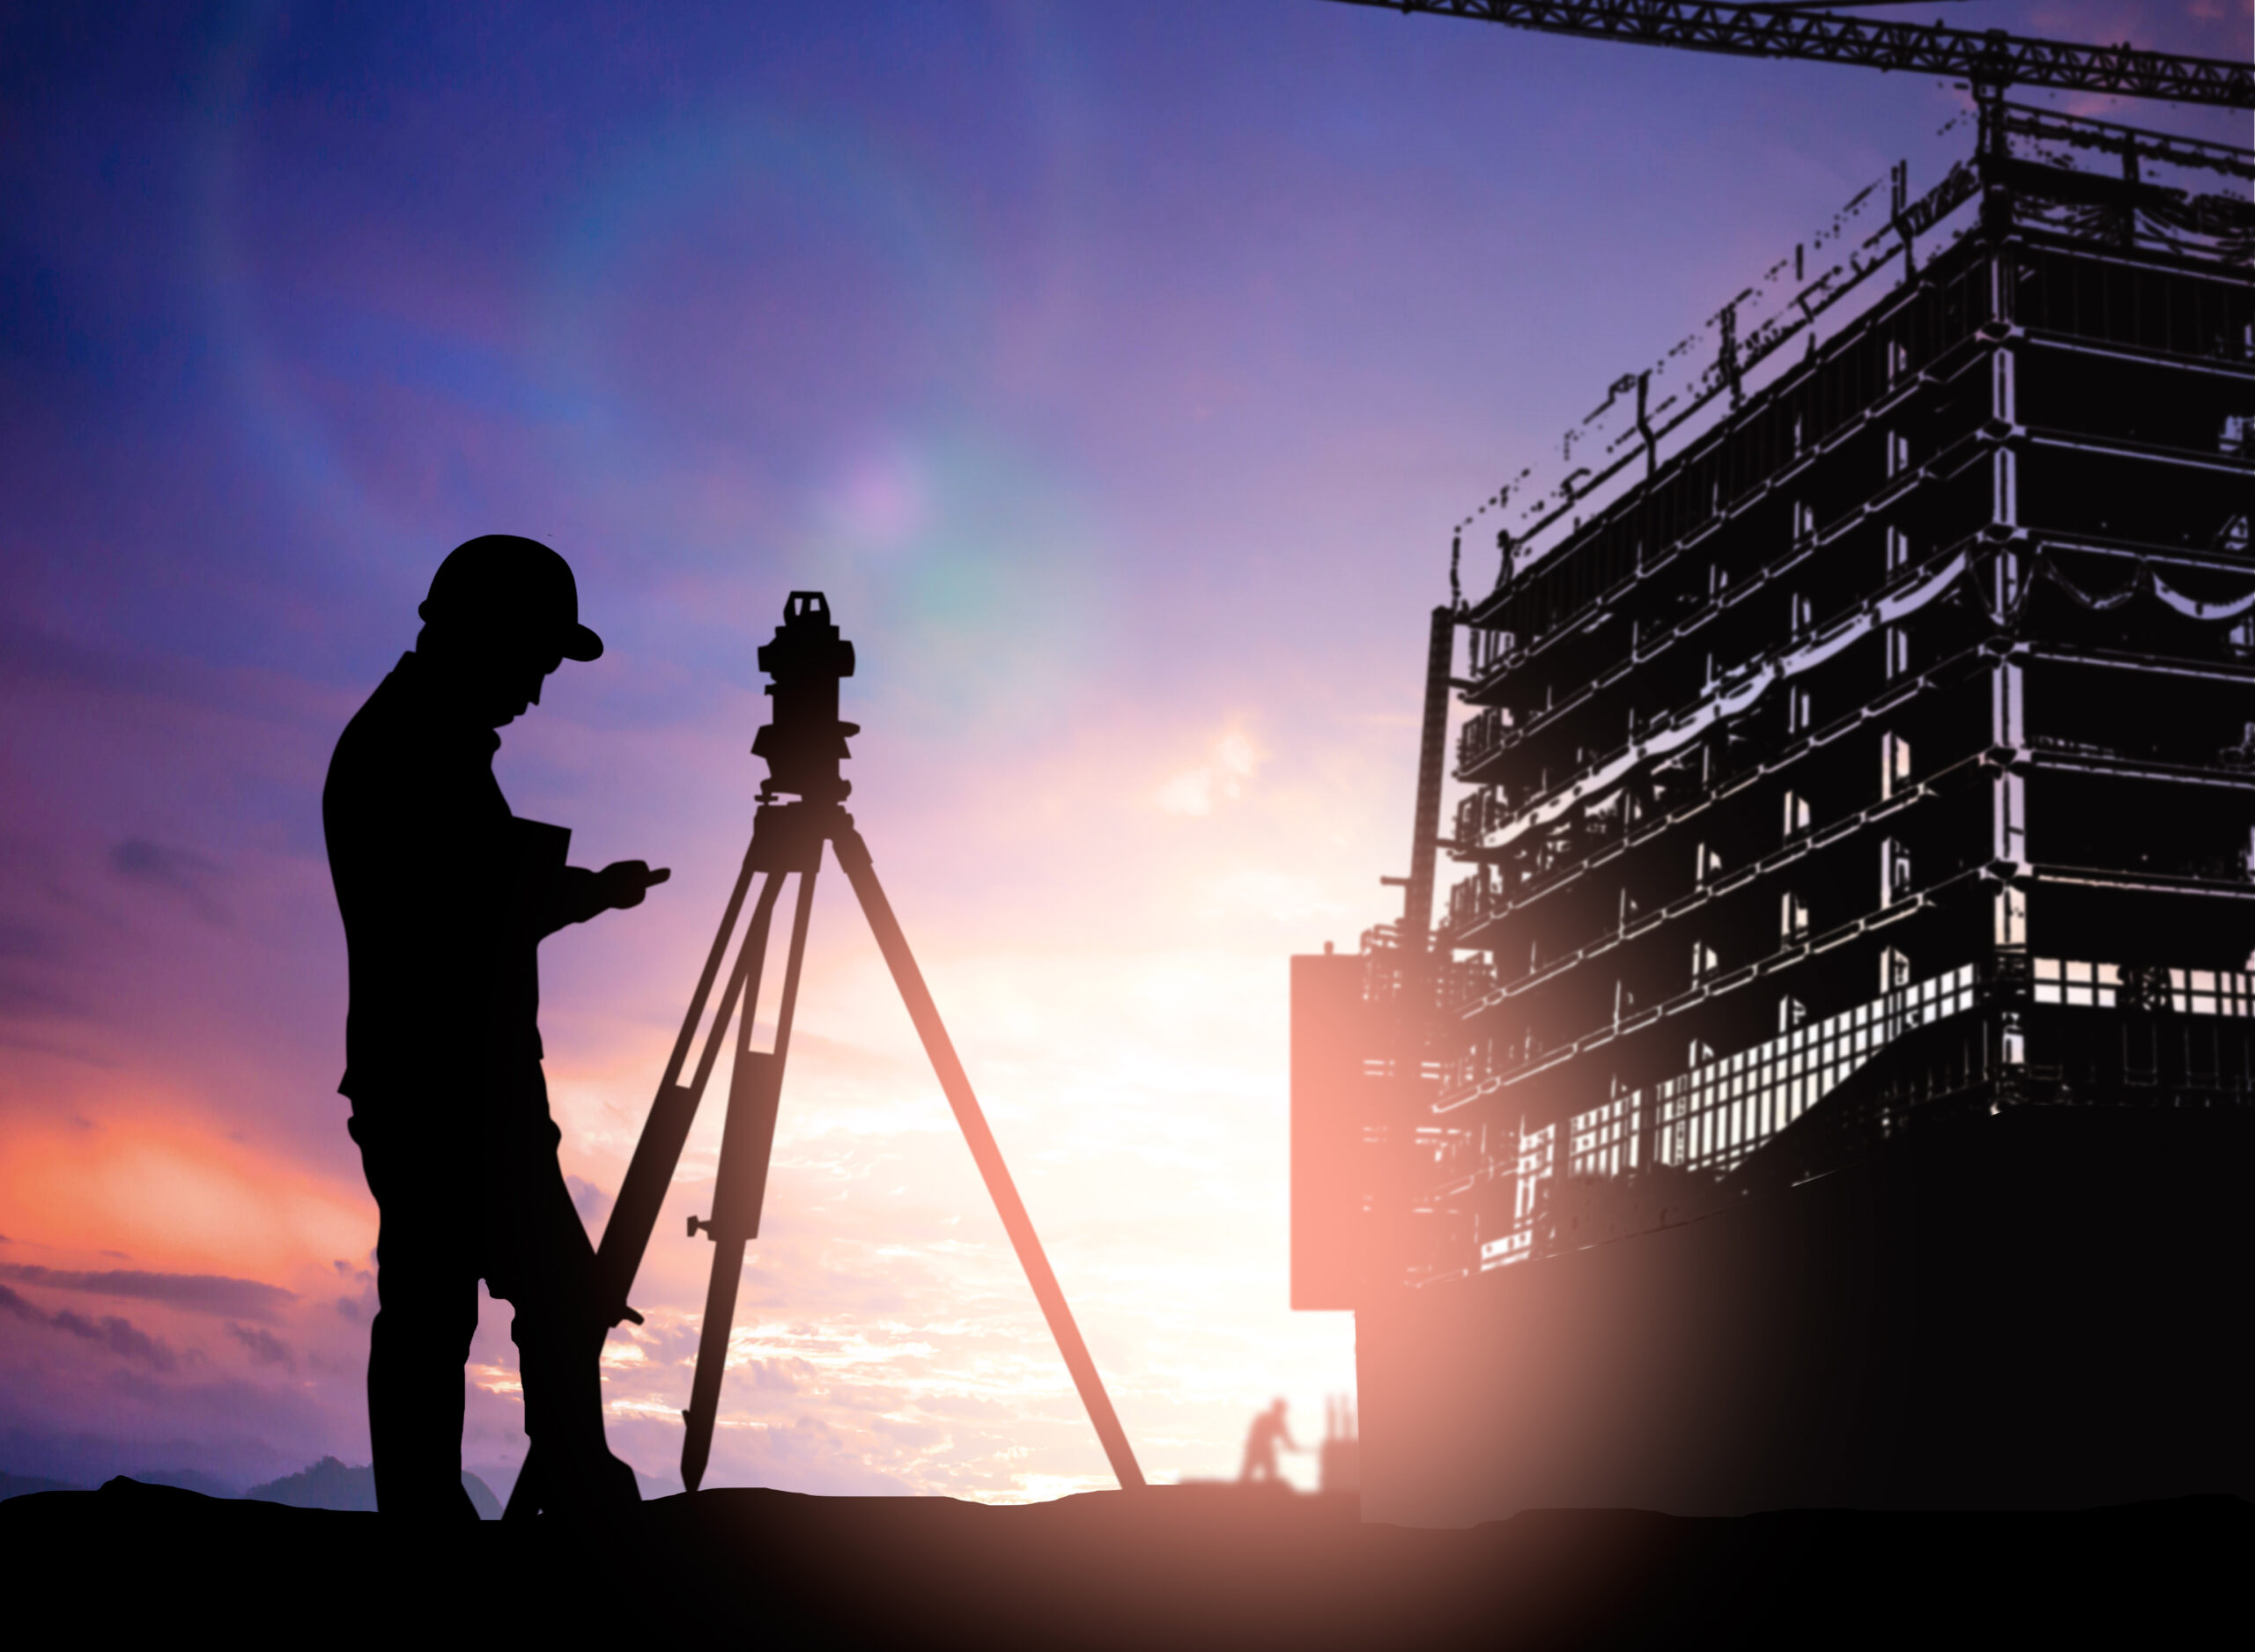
(547, 1275)
(426, 1295)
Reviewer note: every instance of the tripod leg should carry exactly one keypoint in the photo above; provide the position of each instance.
(635, 1215)
(853, 856)
(641, 1195)
(740, 1190)
(753, 1091)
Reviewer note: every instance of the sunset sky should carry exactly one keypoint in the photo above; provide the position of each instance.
(1117, 371)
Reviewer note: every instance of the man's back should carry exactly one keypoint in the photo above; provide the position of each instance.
(418, 847)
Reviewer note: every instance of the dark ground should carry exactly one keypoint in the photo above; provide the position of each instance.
(1200, 1566)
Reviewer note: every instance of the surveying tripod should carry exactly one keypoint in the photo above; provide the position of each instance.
(803, 746)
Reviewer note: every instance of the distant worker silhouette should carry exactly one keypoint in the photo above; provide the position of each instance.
(446, 896)
(1260, 1443)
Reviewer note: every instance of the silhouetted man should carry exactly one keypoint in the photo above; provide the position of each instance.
(1260, 1443)
(446, 896)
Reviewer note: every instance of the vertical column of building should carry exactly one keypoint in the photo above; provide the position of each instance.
(2007, 547)
(1419, 1013)
(2010, 571)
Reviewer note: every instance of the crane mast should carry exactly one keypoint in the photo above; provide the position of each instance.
(1991, 58)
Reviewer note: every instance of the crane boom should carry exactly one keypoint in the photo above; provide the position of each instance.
(1992, 57)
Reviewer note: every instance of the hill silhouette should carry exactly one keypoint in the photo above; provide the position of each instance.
(179, 1479)
(25, 1485)
(330, 1484)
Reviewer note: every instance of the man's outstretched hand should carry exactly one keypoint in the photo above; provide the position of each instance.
(623, 883)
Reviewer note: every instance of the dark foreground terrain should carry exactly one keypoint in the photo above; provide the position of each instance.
(1195, 1566)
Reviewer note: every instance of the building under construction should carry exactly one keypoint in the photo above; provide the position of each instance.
(1830, 1077)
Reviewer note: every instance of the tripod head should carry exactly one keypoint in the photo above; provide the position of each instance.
(804, 743)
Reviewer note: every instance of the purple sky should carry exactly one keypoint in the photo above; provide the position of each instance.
(1117, 371)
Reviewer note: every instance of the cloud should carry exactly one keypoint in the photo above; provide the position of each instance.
(181, 871)
(265, 1348)
(199, 1292)
(807, 1453)
(120, 1336)
(779, 1377)
(590, 1201)
(29, 956)
(1222, 775)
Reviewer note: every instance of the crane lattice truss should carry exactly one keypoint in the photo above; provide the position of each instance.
(1991, 58)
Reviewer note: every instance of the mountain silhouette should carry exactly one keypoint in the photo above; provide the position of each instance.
(329, 1484)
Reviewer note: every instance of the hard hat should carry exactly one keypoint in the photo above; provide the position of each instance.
(516, 584)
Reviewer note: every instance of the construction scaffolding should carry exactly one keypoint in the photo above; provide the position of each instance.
(1860, 733)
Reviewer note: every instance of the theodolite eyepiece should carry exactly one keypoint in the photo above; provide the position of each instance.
(805, 741)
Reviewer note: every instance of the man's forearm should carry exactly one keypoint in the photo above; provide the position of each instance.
(577, 895)
(574, 894)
